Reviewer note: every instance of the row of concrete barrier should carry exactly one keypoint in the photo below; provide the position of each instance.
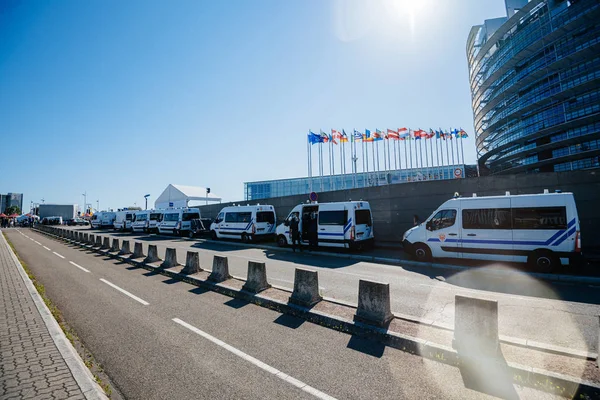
(476, 320)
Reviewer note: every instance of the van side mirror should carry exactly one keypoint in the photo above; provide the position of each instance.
(428, 225)
(286, 223)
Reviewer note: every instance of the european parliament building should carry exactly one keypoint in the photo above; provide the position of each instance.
(535, 86)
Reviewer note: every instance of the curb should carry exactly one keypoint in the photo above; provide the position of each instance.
(84, 378)
(561, 278)
(547, 381)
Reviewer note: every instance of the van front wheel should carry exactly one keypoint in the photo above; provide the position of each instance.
(213, 235)
(281, 241)
(543, 261)
(422, 252)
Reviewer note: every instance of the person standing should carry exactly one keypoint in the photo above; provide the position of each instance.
(312, 232)
(295, 233)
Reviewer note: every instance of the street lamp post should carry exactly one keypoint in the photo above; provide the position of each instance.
(146, 198)
(84, 194)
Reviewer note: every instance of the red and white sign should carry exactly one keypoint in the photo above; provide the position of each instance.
(457, 173)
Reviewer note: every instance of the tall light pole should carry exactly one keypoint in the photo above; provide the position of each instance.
(84, 194)
(97, 205)
(146, 198)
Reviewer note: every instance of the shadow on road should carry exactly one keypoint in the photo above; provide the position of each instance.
(289, 321)
(366, 346)
(489, 375)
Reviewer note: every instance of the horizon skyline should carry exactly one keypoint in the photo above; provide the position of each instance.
(215, 95)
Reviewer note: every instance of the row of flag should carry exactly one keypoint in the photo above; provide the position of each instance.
(390, 134)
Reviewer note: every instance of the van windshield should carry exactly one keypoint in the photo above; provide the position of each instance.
(140, 217)
(363, 217)
(265, 216)
(155, 217)
(171, 217)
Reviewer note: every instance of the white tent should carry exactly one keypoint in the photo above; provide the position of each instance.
(175, 196)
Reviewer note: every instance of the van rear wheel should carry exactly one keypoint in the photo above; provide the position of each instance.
(422, 252)
(245, 238)
(213, 235)
(543, 261)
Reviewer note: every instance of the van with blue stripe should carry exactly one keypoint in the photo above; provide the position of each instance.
(246, 223)
(347, 224)
(540, 229)
(177, 221)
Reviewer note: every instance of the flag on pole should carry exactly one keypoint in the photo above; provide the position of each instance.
(367, 136)
(392, 134)
(378, 135)
(344, 137)
(357, 135)
(324, 137)
(314, 138)
(462, 134)
(403, 133)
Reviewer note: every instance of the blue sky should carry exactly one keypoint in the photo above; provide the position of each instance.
(120, 99)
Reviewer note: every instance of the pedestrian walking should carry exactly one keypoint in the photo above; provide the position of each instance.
(295, 233)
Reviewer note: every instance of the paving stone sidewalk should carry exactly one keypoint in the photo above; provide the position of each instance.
(31, 365)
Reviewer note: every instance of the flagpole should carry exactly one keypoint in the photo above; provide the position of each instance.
(437, 155)
(410, 152)
(396, 154)
(321, 164)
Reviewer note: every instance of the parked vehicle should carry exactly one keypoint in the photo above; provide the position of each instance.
(123, 220)
(103, 219)
(76, 222)
(177, 221)
(540, 229)
(344, 224)
(245, 223)
(52, 221)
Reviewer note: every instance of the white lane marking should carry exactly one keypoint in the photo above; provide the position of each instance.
(36, 242)
(125, 292)
(299, 384)
(78, 266)
(46, 248)
(56, 254)
(31, 239)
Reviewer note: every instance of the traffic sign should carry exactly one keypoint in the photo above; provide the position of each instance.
(457, 173)
(313, 196)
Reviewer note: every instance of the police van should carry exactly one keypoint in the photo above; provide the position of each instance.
(123, 219)
(146, 221)
(346, 224)
(540, 229)
(244, 222)
(103, 219)
(177, 221)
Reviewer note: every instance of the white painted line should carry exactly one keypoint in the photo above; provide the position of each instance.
(299, 384)
(56, 254)
(46, 248)
(79, 266)
(125, 292)
(31, 239)
(36, 242)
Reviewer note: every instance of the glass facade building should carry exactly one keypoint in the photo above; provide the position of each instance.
(10, 200)
(535, 86)
(289, 187)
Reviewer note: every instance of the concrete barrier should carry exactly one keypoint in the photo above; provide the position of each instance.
(92, 240)
(192, 263)
(86, 238)
(257, 277)
(115, 245)
(106, 243)
(373, 303)
(152, 254)
(475, 326)
(170, 258)
(125, 248)
(220, 269)
(138, 251)
(306, 288)
(98, 241)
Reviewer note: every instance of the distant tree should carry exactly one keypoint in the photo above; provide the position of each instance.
(135, 208)
(12, 210)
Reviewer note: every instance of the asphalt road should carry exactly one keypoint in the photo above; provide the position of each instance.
(160, 338)
(560, 314)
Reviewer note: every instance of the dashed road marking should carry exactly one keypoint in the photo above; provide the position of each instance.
(299, 384)
(36, 242)
(125, 292)
(58, 255)
(78, 266)
(47, 248)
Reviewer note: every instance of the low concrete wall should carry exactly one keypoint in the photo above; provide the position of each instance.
(393, 206)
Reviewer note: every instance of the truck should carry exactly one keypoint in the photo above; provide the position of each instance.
(66, 211)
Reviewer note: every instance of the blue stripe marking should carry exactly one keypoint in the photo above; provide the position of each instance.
(348, 225)
(563, 238)
(330, 234)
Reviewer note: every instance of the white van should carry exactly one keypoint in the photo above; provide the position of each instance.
(146, 221)
(178, 221)
(244, 222)
(123, 220)
(103, 219)
(541, 229)
(345, 224)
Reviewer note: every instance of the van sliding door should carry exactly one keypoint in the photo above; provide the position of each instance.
(487, 230)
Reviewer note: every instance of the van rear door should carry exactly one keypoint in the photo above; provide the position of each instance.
(487, 229)
(363, 224)
(331, 223)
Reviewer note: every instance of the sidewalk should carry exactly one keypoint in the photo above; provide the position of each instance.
(36, 359)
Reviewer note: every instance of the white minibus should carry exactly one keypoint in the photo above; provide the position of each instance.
(102, 219)
(178, 221)
(540, 229)
(244, 222)
(123, 219)
(146, 221)
(346, 224)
